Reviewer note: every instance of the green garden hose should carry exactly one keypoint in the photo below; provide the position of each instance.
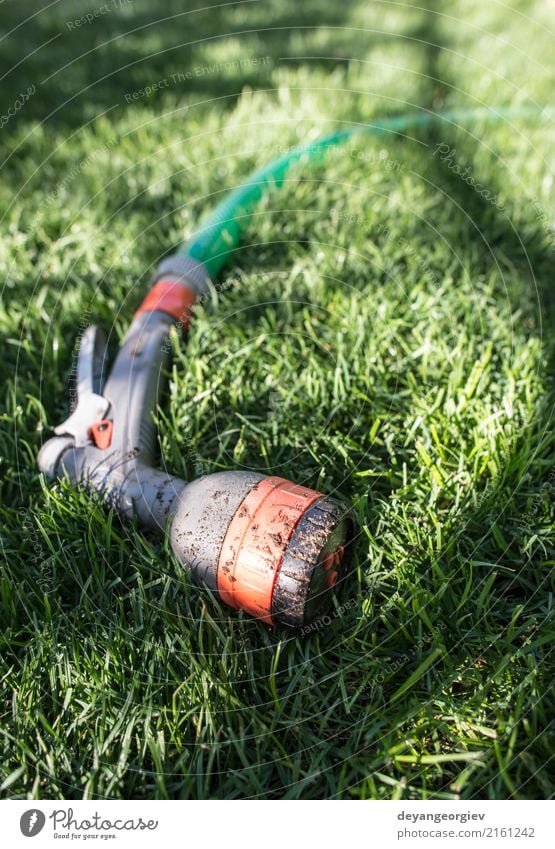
(263, 544)
(220, 233)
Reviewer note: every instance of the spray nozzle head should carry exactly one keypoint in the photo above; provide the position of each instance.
(263, 544)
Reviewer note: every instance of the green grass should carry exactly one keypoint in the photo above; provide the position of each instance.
(385, 331)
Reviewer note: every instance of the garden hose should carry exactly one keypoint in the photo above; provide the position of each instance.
(262, 544)
(220, 234)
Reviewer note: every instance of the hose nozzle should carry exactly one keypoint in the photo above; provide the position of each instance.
(263, 544)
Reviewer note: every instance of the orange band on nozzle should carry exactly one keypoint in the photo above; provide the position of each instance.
(255, 541)
(170, 297)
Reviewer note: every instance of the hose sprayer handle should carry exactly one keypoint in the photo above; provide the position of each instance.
(136, 381)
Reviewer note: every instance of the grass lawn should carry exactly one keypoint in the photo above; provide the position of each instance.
(385, 331)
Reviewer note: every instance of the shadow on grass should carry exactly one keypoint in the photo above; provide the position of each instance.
(81, 67)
